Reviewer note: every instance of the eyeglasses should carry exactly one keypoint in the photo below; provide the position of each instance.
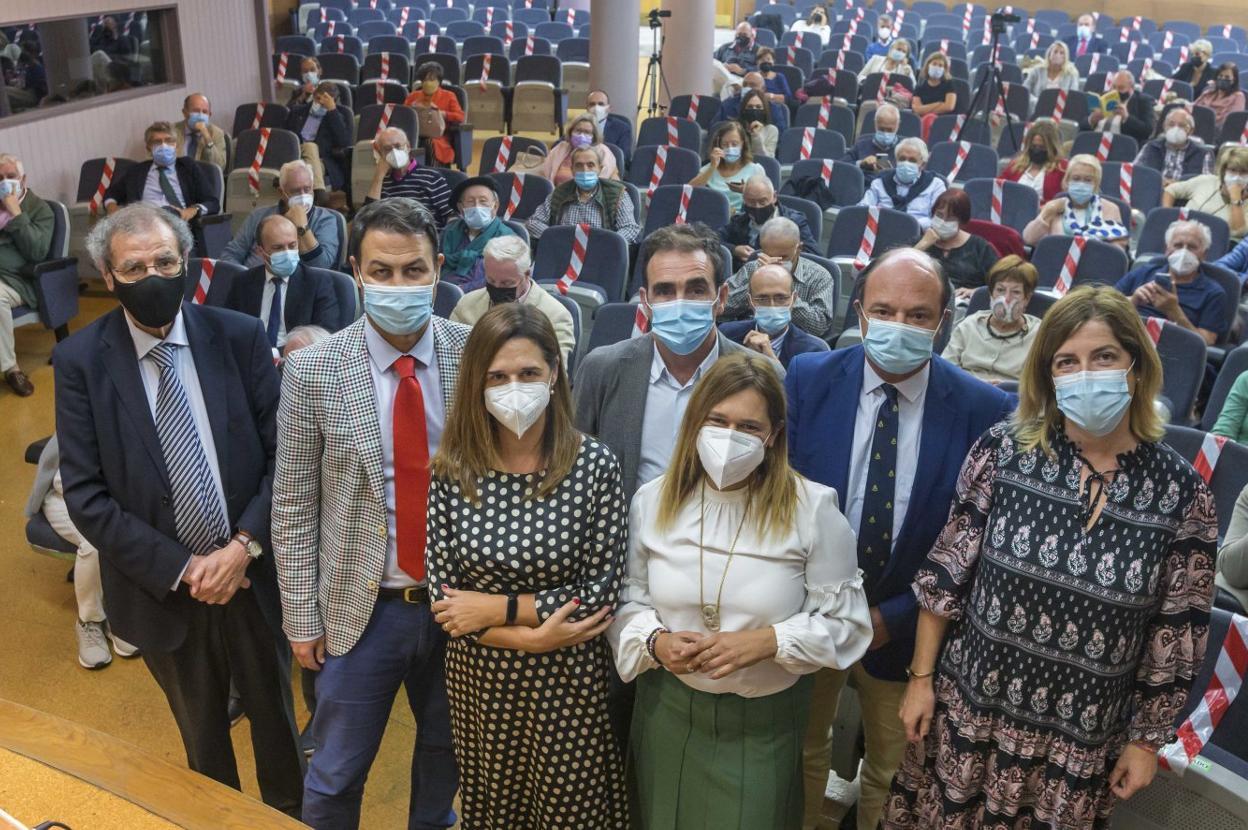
(770, 300)
(169, 266)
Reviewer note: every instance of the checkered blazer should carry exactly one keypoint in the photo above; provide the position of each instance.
(329, 500)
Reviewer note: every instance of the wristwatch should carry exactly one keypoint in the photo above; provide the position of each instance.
(249, 543)
(301, 231)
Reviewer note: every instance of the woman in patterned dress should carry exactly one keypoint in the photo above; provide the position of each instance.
(527, 531)
(1077, 572)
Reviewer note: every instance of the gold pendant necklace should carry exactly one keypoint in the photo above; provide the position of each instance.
(710, 611)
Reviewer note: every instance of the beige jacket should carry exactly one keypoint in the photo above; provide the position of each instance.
(474, 304)
(214, 154)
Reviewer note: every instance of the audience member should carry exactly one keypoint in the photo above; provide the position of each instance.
(1040, 163)
(582, 132)
(1177, 154)
(1225, 96)
(399, 173)
(1232, 565)
(1086, 40)
(107, 37)
(360, 416)
(816, 23)
(431, 94)
(1081, 212)
(780, 242)
(933, 94)
(281, 292)
(196, 136)
(1220, 193)
(182, 527)
(166, 180)
(464, 241)
(1176, 288)
(1233, 419)
(309, 78)
(731, 163)
(873, 152)
(775, 85)
(770, 331)
(1197, 69)
(324, 131)
(894, 467)
(509, 279)
(300, 337)
(993, 344)
(910, 186)
(26, 224)
(320, 236)
(759, 203)
(740, 55)
(1057, 72)
(755, 119)
(32, 74)
(614, 129)
(885, 34)
(1132, 115)
(528, 530)
(711, 668)
(964, 258)
(588, 199)
(894, 62)
(730, 108)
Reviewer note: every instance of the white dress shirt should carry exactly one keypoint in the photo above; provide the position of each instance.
(666, 402)
(266, 304)
(152, 192)
(911, 396)
(381, 357)
(802, 580)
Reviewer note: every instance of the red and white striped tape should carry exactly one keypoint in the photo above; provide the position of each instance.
(694, 102)
(1167, 40)
(964, 150)
(340, 44)
(509, 34)
(1094, 63)
(1183, 214)
(403, 15)
(379, 92)
(528, 4)
(385, 66)
(504, 155)
(853, 28)
(253, 172)
(422, 26)
(282, 60)
(329, 29)
(800, 40)
(1102, 148)
(1135, 22)
(868, 238)
(879, 93)
(966, 19)
(384, 120)
(1035, 40)
(517, 191)
(1166, 86)
(825, 112)
(998, 199)
(1155, 326)
(889, 6)
(825, 172)
(1059, 106)
(1124, 34)
(1243, 137)
(1207, 459)
(1030, 28)
(528, 44)
(580, 241)
(486, 60)
(1146, 67)
(489, 16)
(1183, 54)
(571, 17)
(1109, 82)
(641, 323)
(433, 44)
(255, 119)
(1227, 29)
(1135, 44)
(206, 269)
(106, 177)
(898, 19)
(790, 55)
(686, 194)
(999, 107)
(840, 60)
(808, 142)
(958, 124)
(656, 173)
(1124, 182)
(944, 47)
(673, 133)
(1070, 266)
(847, 41)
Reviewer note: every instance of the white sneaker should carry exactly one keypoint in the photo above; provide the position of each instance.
(92, 645)
(121, 647)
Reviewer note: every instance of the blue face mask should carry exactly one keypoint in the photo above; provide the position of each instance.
(317, 110)
(907, 172)
(10, 187)
(586, 179)
(1096, 401)
(478, 216)
(896, 55)
(772, 319)
(935, 72)
(897, 348)
(1080, 192)
(732, 154)
(196, 118)
(399, 309)
(283, 263)
(885, 139)
(682, 325)
(164, 155)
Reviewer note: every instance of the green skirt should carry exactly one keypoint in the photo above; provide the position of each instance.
(704, 761)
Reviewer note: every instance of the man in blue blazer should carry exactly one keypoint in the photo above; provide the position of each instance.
(615, 129)
(1086, 40)
(887, 424)
(165, 414)
(769, 332)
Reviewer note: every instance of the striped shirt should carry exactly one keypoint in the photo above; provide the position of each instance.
(426, 186)
(589, 213)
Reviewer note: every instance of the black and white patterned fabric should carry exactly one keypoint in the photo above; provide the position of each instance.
(1096, 226)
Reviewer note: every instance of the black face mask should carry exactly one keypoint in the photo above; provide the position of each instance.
(1225, 84)
(766, 67)
(498, 296)
(759, 215)
(742, 41)
(1197, 60)
(154, 300)
(754, 114)
(1038, 155)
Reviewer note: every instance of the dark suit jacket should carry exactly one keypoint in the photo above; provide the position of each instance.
(739, 232)
(796, 341)
(310, 298)
(1096, 44)
(619, 131)
(823, 392)
(114, 472)
(333, 139)
(730, 110)
(127, 188)
(1139, 121)
(1153, 154)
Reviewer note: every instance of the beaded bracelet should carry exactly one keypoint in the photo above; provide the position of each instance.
(652, 640)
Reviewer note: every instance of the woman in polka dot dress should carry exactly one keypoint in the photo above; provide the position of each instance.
(1074, 578)
(527, 529)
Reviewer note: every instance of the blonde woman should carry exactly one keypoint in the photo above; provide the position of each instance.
(1197, 70)
(896, 61)
(742, 581)
(1220, 193)
(1040, 163)
(582, 132)
(1064, 608)
(1057, 72)
(933, 94)
(1081, 212)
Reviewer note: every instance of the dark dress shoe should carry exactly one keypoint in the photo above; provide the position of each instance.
(19, 383)
(235, 710)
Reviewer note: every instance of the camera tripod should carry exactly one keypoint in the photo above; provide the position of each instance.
(983, 102)
(654, 71)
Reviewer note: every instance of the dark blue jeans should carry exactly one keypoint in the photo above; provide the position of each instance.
(401, 646)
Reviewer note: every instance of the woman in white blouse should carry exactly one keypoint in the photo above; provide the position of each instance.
(742, 581)
(1057, 72)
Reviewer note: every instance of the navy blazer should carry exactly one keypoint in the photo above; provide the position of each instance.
(116, 481)
(796, 340)
(823, 391)
(1095, 44)
(333, 140)
(618, 130)
(127, 188)
(310, 298)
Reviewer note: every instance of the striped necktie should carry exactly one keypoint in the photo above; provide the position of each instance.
(875, 529)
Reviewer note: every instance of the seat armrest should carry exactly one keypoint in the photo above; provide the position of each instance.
(56, 286)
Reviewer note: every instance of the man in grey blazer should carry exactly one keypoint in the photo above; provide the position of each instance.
(349, 500)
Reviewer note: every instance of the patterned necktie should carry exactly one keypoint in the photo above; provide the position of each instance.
(411, 469)
(197, 508)
(166, 187)
(192, 143)
(275, 312)
(875, 529)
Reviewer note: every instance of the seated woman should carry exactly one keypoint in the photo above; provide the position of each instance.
(1081, 212)
(993, 344)
(1057, 72)
(1197, 70)
(756, 119)
(1040, 163)
(816, 23)
(582, 132)
(432, 94)
(965, 258)
(895, 62)
(776, 85)
(1233, 419)
(309, 77)
(731, 163)
(1225, 96)
(463, 241)
(1220, 193)
(1232, 564)
(933, 95)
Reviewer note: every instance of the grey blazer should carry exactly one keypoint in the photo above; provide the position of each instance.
(611, 387)
(49, 461)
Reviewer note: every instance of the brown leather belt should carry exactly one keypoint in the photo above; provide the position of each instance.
(418, 595)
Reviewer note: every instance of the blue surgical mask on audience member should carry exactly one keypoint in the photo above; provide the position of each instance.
(1080, 192)
(1096, 401)
(1084, 32)
(772, 319)
(885, 140)
(682, 325)
(399, 309)
(897, 348)
(164, 154)
(311, 78)
(197, 118)
(935, 72)
(732, 153)
(478, 216)
(907, 172)
(283, 263)
(10, 187)
(586, 179)
(896, 55)
(317, 110)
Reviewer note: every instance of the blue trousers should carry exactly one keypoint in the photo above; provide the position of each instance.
(401, 646)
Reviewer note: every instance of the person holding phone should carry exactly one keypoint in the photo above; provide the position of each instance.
(731, 163)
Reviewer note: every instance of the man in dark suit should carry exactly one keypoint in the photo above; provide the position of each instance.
(324, 131)
(165, 414)
(759, 203)
(1133, 115)
(168, 181)
(770, 331)
(615, 129)
(1085, 40)
(281, 291)
(887, 424)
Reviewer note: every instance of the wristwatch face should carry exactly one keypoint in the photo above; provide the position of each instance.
(254, 550)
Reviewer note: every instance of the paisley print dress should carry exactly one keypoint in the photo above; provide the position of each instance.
(1065, 644)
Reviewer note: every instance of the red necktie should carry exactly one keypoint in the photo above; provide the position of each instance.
(1082, 50)
(411, 469)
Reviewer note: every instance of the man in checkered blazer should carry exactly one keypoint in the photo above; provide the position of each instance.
(349, 518)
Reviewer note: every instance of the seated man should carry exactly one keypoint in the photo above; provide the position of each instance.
(909, 186)
(781, 244)
(166, 180)
(1176, 289)
(770, 331)
(325, 136)
(884, 37)
(587, 199)
(759, 204)
(1085, 40)
(281, 292)
(615, 129)
(196, 136)
(399, 174)
(463, 242)
(320, 235)
(874, 152)
(1176, 154)
(25, 236)
(740, 55)
(1132, 116)
(509, 279)
(730, 108)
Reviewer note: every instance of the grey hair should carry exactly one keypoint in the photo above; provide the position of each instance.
(913, 143)
(9, 158)
(1202, 45)
(386, 130)
(1206, 237)
(304, 336)
(760, 180)
(887, 107)
(779, 229)
(509, 248)
(1187, 116)
(292, 166)
(133, 219)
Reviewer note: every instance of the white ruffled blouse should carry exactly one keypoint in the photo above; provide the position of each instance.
(804, 581)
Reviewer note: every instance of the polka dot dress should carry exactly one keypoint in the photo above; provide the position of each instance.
(531, 731)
